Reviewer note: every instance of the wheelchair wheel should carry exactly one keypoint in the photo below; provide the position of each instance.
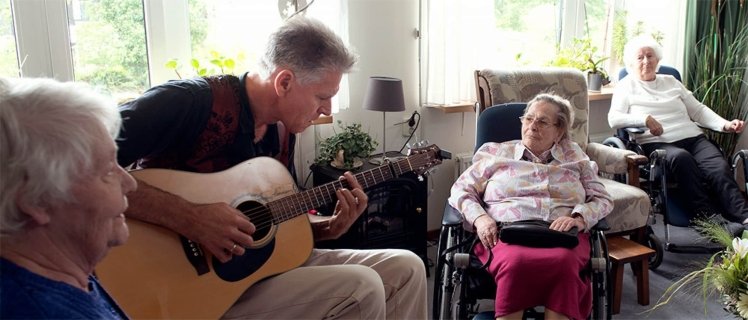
(655, 244)
(441, 275)
(445, 274)
(600, 267)
(614, 142)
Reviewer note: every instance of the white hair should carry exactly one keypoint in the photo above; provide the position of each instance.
(47, 138)
(632, 47)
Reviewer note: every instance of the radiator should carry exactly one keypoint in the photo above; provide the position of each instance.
(462, 162)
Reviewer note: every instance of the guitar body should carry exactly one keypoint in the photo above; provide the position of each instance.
(151, 277)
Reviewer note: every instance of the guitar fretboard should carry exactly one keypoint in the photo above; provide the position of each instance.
(300, 203)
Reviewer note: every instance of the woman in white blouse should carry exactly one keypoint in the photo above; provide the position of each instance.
(670, 112)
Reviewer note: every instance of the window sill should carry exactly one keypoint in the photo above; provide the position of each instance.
(454, 108)
(605, 94)
(322, 120)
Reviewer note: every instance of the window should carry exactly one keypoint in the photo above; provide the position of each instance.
(107, 41)
(122, 47)
(8, 60)
(460, 37)
(237, 30)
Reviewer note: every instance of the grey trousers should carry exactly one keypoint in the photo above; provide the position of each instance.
(341, 284)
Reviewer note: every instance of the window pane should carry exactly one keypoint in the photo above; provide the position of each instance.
(233, 29)
(526, 32)
(108, 41)
(598, 24)
(236, 31)
(8, 57)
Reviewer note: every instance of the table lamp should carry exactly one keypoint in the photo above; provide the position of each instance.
(384, 94)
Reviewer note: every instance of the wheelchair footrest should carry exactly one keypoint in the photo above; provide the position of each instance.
(706, 248)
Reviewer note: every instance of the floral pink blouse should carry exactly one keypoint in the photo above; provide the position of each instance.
(506, 187)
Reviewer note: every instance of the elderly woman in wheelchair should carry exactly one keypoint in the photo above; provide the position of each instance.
(669, 112)
(543, 176)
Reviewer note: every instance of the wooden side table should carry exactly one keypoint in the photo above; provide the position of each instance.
(622, 251)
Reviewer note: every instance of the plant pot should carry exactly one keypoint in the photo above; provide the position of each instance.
(594, 82)
(339, 162)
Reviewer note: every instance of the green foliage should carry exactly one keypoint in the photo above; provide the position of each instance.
(352, 140)
(726, 272)
(619, 35)
(198, 14)
(581, 55)
(719, 64)
(216, 64)
(510, 14)
(8, 60)
(111, 45)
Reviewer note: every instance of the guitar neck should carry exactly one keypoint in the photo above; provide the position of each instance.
(302, 202)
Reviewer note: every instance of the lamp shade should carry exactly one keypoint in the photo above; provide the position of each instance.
(384, 94)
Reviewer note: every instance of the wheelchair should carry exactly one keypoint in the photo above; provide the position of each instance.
(666, 200)
(459, 281)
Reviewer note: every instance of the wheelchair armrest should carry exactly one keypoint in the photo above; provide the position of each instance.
(635, 130)
(601, 225)
(451, 217)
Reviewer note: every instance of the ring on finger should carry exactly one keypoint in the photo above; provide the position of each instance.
(233, 248)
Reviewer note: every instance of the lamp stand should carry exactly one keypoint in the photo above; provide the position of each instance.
(380, 161)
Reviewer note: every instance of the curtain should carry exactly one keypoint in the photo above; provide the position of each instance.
(453, 34)
(717, 59)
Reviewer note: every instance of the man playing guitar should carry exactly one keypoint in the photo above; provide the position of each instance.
(207, 125)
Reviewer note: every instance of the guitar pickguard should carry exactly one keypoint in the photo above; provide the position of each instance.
(240, 267)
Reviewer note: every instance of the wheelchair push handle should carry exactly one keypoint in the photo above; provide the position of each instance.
(658, 154)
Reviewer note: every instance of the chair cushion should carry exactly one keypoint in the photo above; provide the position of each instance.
(521, 85)
(631, 206)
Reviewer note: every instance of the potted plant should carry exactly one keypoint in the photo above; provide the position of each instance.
(582, 55)
(725, 273)
(346, 149)
(597, 77)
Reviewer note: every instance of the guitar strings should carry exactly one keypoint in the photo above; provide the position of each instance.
(263, 220)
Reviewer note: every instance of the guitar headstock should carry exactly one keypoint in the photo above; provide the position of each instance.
(426, 158)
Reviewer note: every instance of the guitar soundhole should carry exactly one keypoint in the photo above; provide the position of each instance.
(240, 267)
(260, 216)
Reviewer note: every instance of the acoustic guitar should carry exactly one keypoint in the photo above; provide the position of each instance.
(160, 274)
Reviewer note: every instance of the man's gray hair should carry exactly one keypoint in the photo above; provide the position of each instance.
(48, 133)
(308, 48)
(565, 113)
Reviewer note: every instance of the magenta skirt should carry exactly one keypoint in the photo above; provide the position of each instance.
(550, 277)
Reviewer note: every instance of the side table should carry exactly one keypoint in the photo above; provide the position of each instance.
(395, 217)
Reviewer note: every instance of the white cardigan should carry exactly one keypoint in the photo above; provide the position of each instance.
(667, 101)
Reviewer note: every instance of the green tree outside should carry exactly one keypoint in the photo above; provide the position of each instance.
(8, 60)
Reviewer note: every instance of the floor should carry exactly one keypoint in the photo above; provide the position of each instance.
(687, 304)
